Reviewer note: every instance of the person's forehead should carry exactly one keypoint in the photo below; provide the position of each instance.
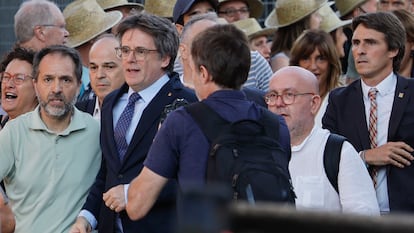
(232, 3)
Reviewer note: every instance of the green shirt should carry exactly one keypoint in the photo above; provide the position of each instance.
(48, 175)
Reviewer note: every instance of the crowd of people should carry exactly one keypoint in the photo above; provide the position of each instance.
(84, 146)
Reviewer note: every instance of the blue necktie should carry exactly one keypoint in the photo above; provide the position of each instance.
(123, 124)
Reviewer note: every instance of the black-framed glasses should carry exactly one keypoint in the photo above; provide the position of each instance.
(231, 12)
(18, 79)
(140, 53)
(287, 97)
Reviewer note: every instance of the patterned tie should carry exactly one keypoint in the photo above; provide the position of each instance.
(373, 170)
(123, 124)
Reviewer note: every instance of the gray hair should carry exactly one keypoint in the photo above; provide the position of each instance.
(31, 14)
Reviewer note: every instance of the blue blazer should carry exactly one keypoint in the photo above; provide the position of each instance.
(87, 106)
(162, 216)
(345, 115)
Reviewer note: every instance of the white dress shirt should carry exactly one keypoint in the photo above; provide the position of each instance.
(385, 99)
(312, 187)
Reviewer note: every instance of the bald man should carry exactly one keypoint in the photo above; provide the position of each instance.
(293, 93)
(105, 72)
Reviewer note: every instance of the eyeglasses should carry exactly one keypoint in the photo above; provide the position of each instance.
(18, 78)
(287, 97)
(232, 12)
(62, 27)
(139, 52)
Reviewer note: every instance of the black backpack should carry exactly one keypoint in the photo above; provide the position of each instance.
(246, 156)
(332, 157)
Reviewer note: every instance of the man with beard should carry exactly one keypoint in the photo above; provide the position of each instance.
(46, 178)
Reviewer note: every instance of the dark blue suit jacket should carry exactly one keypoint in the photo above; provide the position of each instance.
(161, 217)
(87, 106)
(345, 115)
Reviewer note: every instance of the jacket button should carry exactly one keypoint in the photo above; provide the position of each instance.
(120, 176)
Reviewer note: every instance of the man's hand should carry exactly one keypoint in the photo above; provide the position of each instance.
(81, 226)
(398, 154)
(115, 198)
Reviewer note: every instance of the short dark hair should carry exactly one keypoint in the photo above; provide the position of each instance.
(389, 25)
(19, 53)
(163, 32)
(64, 51)
(224, 51)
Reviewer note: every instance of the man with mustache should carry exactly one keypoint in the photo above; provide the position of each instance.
(46, 178)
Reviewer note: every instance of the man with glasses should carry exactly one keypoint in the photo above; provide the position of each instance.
(129, 121)
(293, 94)
(38, 24)
(235, 10)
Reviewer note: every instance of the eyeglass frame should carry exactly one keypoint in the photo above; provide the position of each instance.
(283, 97)
(62, 27)
(14, 78)
(141, 51)
(232, 12)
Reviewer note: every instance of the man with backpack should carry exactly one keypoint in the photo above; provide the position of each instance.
(323, 179)
(182, 151)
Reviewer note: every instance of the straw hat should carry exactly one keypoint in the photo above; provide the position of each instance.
(346, 6)
(255, 6)
(162, 8)
(85, 20)
(252, 28)
(287, 12)
(109, 4)
(330, 21)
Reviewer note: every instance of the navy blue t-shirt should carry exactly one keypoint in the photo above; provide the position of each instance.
(180, 149)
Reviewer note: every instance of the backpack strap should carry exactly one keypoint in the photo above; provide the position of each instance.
(210, 122)
(331, 158)
(270, 123)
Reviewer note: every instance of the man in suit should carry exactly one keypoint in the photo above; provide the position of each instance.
(148, 49)
(105, 72)
(181, 143)
(378, 47)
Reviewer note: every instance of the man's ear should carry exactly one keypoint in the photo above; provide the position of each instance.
(183, 51)
(179, 28)
(316, 104)
(39, 33)
(205, 75)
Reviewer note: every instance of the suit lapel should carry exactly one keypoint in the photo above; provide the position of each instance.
(357, 99)
(150, 117)
(401, 97)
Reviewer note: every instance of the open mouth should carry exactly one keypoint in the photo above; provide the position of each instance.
(11, 95)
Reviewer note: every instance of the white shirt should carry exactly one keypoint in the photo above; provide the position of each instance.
(321, 111)
(312, 187)
(385, 99)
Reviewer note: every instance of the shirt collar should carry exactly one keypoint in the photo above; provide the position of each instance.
(149, 93)
(385, 87)
(76, 123)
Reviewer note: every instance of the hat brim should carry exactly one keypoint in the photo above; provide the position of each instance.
(111, 19)
(351, 7)
(263, 32)
(130, 4)
(272, 21)
(341, 24)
